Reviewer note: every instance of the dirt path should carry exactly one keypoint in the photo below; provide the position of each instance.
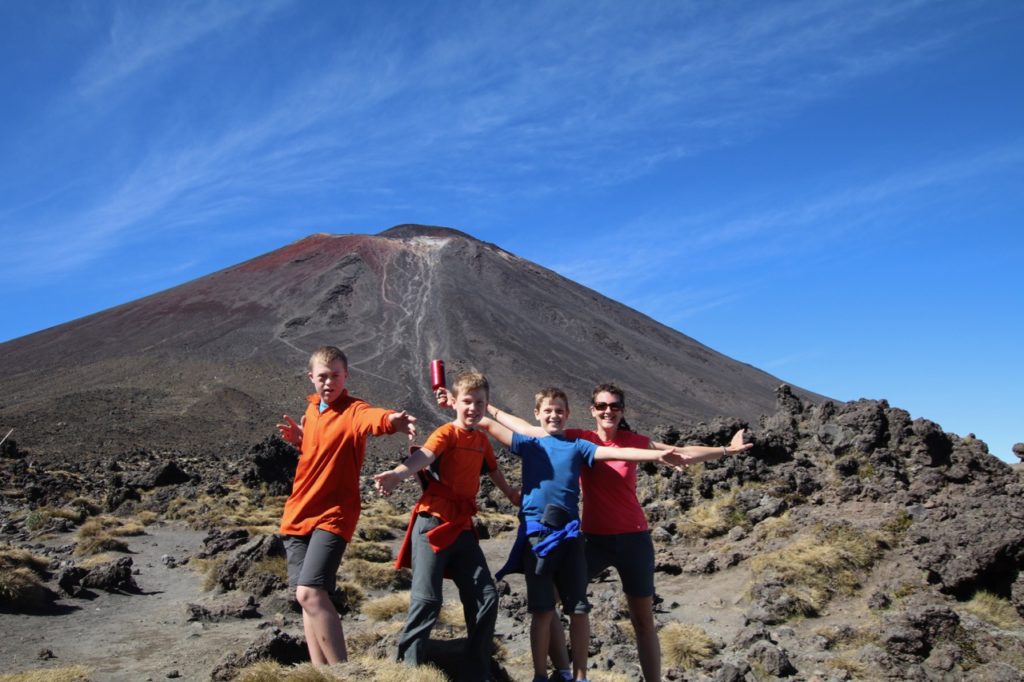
(131, 637)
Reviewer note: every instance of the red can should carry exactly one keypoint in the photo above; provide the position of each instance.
(437, 375)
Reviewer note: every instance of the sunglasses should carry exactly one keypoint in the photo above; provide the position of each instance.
(601, 407)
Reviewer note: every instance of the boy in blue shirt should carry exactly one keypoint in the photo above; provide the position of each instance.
(549, 542)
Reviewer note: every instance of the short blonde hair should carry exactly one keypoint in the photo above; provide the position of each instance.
(327, 355)
(469, 381)
(550, 393)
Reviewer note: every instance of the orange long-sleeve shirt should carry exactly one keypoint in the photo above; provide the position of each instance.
(325, 493)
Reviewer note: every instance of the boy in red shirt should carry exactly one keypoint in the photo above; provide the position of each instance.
(441, 541)
(321, 513)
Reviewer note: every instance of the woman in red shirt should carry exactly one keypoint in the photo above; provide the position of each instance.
(614, 523)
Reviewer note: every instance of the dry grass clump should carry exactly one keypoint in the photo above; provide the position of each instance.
(775, 528)
(351, 594)
(208, 569)
(239, 508)
(275, 565)
(384, 513)
(855, 670)
(386, 607)
(75, 673)
(374, 531)
(994, 610)
(22, 589)
(103, 533)
(367, 668)
(816, 568)
(364, 641)
(376, 576)
(685, 646)
(13, 557)
(378, 552)
(712, 518)
(21, 580)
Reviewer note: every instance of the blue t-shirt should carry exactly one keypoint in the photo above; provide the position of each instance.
(551, 472)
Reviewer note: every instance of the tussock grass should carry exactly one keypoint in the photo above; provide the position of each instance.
(378, 552)
(854, 670)
(685, 646)
(275, 565)
(375, 576)
(75, 673)
(360, 643)
(994, 610)
(104, 542)
(374, 531)
(712, 518)
(22, 589)
(367, 668)
(382, 512)
(13, 557)
(21, 580)
(815, 568)
(239, 508)
(775, 527)
(386, 607)
(207, 568)
(352, 594)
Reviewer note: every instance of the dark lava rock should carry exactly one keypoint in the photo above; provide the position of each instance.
(772, 658)
(241, 570)
(115, 576)
(162, 474)
(217, 541)
(273, 645)
(272, 463)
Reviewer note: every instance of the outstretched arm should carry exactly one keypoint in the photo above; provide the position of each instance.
(499, 480)
(691, 454)
(497, 431)
(517, 424)
(291, 431)
(403, 422)
(387, 481)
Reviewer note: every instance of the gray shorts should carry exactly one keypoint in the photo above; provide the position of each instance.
(632, 555)
(313, 559)
(566, 570)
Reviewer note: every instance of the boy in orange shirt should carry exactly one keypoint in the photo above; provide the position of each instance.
(321, 513)
(441, 541)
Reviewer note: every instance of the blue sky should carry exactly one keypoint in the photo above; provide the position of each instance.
(830, 190)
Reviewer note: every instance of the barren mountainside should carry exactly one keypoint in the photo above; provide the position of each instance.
(213, 363)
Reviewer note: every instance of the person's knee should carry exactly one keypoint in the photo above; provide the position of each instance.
(309, 598)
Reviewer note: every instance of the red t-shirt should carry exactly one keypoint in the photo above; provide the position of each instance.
(610, 505)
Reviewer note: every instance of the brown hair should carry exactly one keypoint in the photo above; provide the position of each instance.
(608, 388)
(327, 355)
(469, 381)
(550, 393)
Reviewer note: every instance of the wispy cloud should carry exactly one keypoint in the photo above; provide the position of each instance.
(142, 37)
(522, 100)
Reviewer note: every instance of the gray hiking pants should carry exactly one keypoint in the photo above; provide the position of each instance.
(465, 563)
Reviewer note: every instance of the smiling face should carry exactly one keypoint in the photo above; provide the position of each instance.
(607, 409)
(470, 407)
(328, 379)
(553, 415)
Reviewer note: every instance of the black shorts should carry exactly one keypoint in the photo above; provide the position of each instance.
(632, 555)
(313, 559)
(565, 570)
